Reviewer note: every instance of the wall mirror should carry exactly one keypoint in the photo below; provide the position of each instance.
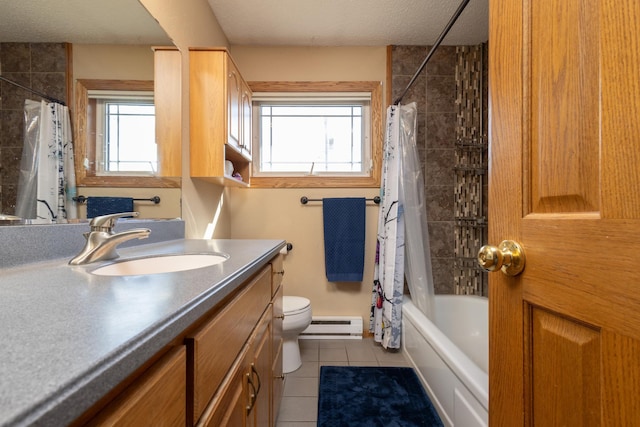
(122, 29)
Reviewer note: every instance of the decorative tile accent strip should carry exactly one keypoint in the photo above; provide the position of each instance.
(470, 170)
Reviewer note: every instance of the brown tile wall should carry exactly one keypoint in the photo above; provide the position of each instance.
(435, 92)
(42, 67)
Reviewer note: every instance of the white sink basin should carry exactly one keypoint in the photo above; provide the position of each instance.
(159, 264)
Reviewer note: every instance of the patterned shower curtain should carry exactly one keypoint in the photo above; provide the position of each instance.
(47, 182)
(386, 304)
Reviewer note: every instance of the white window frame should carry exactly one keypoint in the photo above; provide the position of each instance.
(121, 97)
(308, 92)
(291, 98)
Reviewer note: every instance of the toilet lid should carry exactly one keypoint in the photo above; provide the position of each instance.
(293, 305)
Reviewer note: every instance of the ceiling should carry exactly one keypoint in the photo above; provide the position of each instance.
(349, 22)
(251, 22)
(79, 21)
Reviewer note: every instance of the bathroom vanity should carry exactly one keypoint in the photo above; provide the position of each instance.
(201, 346)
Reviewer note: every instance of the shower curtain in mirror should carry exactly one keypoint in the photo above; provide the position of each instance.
(47, 181)
(403, 239)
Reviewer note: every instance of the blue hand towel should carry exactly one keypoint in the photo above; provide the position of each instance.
(344, 231)
(97, 206)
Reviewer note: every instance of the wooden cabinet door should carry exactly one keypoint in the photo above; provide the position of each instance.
(157, 398)
(229, 407)
(167, 94)
(234, 99)
(563, 182)
(246, 114)
(214, 347)
(258, 377)
(276, 351)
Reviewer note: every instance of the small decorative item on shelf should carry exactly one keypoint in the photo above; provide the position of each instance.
(228, 168)
(237, 176)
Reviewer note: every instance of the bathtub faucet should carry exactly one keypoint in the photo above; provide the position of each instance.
(102, 241)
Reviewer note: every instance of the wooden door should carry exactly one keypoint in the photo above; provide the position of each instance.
(564, 182)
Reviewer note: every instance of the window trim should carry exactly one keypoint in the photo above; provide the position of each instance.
(372, 180)
(84, 147)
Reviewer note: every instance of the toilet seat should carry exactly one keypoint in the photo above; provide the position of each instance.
(294, 305)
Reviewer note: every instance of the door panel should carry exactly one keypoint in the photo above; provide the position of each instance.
(565, 361)
(564, 106)
(564, 102)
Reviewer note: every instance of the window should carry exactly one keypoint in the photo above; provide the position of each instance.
(316, 134)
(125, 133)
(114, 135)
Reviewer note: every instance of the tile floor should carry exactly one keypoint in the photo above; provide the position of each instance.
(299, 405)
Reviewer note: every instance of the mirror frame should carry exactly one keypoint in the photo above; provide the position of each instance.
(84, 145)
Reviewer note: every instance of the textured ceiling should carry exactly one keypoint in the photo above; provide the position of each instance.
(251, 22)
(79, 21)
(349, 22)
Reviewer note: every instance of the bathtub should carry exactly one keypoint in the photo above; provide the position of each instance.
(451, 358)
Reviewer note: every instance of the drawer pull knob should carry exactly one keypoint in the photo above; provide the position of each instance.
(254, 371)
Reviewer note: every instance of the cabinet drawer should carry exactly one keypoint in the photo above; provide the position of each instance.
(278, 272)
(214, 347)
(157, 398)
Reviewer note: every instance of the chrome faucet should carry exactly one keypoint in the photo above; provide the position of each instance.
(102, 241)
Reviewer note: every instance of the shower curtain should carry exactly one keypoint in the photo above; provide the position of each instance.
(47, 182)
(403, 240)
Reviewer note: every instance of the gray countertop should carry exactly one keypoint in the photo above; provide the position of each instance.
(68, 336)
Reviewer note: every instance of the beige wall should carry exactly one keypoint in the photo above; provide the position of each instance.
(264, 213)
(205, 208)
(123, 62)
(112, 62)
(278, 213)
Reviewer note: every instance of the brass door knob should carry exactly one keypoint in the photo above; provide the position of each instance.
(508, 257)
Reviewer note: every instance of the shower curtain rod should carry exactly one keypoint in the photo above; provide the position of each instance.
(35, 92)
(433, 49)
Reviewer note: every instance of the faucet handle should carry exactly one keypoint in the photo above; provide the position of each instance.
(107, 222)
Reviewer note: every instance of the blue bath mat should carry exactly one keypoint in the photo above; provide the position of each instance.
(354, 396)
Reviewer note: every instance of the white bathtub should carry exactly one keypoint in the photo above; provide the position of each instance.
(452, 358)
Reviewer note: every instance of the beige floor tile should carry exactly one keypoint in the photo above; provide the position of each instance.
(363, 363)
(298, 409)
(301, 386)
(306, 343)
(333, 343)
(333, 354)
(309, 354)
(308, 369)
(390, 356)
(361, 354)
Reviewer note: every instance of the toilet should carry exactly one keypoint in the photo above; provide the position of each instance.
(297, 317)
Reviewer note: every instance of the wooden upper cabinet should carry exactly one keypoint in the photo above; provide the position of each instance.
(168, 102)
(220, 116)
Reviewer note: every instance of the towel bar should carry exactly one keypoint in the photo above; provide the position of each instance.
(304, 200)
(154, 199)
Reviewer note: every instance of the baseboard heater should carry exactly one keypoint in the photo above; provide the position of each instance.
(333, 327)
